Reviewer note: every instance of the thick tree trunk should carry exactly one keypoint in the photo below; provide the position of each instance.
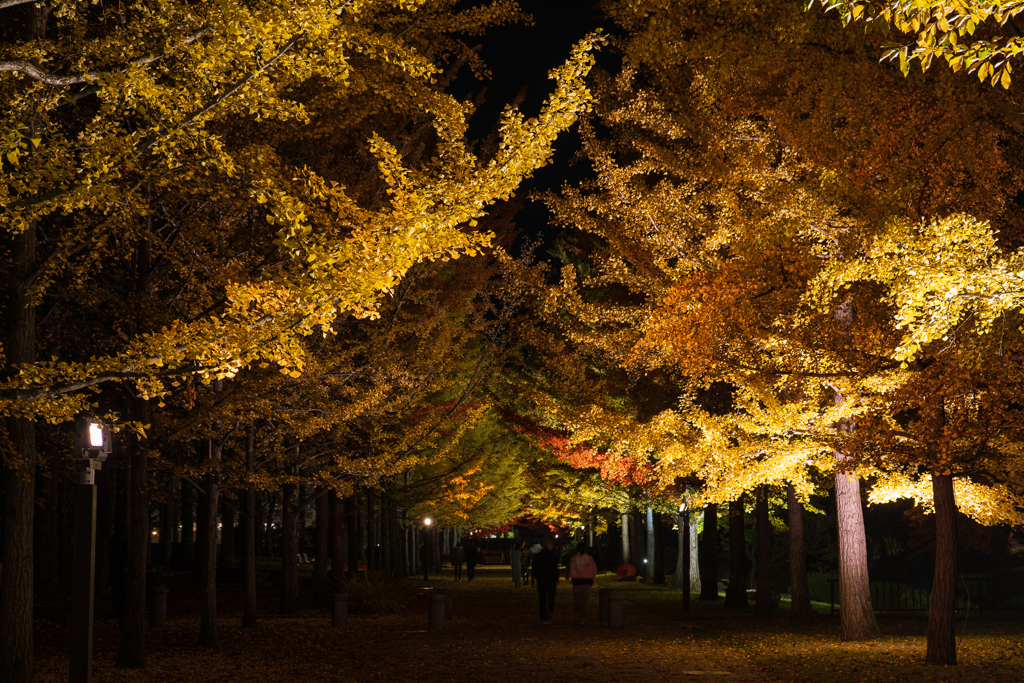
(132, 652)
(856, 616)
(649, 553)
(658, 530)
(249, 531)
(289, 552)
(208, 571)
(352, 528)
(320, 559)
(709, 554)
(624, 530)
(188, 525)
(337, 542)
(16, 597)
(799, 590)
(763, 600)
(371, 531)
(942, 608)
(736, 593)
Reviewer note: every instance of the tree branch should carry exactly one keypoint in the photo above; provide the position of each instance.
(34, 72)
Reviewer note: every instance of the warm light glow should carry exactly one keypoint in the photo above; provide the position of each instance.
(95, 435)
(427, 521)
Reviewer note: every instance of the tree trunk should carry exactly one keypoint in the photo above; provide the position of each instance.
(763, 601)
(132, 653)
(692, 520)
(167, 525)
(649, 550)
(636, 541)
(227, 536)
(352, 527)
(320, 558)
(249, 532)
(289, 552)
(385, 535)
(736, 593)
(208, 571)
(106, 482)
(799, 590)
(337, 542)
(624, 528)
(16, 597)
(681, 580)
(942, 608)
(188, 525)
(856, 617)
(371, 532)
(658, 531)
(47, 534)
(709, 554)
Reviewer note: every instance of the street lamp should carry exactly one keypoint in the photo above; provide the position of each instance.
(91, 448)
(426, 548)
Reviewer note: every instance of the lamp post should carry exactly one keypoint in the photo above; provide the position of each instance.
(92, 446)
(426, 548)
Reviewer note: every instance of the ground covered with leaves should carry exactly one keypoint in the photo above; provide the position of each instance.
(496, 634)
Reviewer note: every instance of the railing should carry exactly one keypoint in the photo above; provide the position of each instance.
(980, 596)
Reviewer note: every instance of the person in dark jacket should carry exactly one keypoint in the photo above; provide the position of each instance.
(458, 559)
(545, 573)
(472, 557)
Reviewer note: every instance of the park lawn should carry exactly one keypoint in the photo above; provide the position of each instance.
(991, 650)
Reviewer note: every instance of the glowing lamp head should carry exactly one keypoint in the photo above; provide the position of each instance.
(95, 435)
(427, 521)
(92, 440)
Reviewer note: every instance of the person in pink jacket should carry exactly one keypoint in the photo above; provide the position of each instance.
(582, 570)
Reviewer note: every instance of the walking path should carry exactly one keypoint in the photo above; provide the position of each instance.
(495, 635)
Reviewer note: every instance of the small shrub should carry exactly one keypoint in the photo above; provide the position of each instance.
(374, 592)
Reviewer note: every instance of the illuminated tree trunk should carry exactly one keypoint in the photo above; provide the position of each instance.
(624, 528)
(636, 541)
(942, 608)
(763, 600)
(320, 557)
(709, 554)
(249, 614)
(649, 565)
(800, 593)
(132, 652)
(856, 616)
(659, 550)
(736, 593)
(692, 520)
(681, 580)
(16, 652)
(289, 552)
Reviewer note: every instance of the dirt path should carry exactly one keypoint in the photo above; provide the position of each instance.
(495, 635)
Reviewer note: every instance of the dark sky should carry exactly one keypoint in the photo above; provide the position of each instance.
(520, 56)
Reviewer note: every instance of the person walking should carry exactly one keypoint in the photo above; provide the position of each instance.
(517, 566)
(582, 570)
(545, 573)
(472, 555)
(532, 555)
(458, 559)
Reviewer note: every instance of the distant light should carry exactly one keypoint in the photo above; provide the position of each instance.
(645, 560)
(427, 521)
(95, 435)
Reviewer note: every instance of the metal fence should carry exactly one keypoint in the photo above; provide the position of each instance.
(994, 597)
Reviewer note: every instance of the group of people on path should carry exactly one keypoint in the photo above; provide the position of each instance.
(540, 562)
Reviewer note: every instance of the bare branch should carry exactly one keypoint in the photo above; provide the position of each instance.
(11, 3)
(33, 71)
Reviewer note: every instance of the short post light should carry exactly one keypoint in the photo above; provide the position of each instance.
(91, 448)
(426, 548)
